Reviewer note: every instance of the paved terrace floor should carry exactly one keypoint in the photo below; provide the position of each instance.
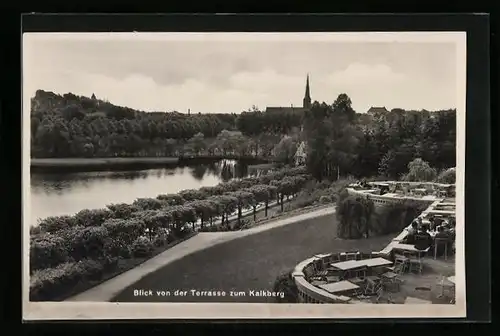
(231, 261)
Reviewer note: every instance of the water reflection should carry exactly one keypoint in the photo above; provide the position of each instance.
(66, 194)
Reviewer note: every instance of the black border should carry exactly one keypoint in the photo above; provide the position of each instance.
(478, 102)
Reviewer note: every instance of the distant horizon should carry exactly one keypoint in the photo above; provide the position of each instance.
(262, 110)
(230, 73)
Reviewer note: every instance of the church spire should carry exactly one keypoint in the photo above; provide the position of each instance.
(307, 98)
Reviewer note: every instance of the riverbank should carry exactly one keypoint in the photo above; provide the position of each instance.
(42, 165)
(92, 164)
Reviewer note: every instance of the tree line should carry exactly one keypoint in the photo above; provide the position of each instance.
(77, 126)
(341, 142)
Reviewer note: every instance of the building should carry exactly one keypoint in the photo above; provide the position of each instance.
(306, 103)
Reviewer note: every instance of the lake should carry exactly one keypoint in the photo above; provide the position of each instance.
(66, 194)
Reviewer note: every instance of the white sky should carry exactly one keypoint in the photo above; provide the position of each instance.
(224, 73)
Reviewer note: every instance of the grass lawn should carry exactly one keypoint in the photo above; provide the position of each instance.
(248, 263)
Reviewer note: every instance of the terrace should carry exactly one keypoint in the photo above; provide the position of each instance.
(401, 273)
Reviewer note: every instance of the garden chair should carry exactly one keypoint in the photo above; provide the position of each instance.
(441, 242)
(372, 287)
(359, 277)
(352, 255)
(447, 289)
(334, 258)
(415, 264)
(400, 264)
(319, 270)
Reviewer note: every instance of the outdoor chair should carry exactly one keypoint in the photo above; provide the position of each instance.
(359, 277)
(398, 267)
(319, 270)
(380, 296)
(415, 264)
(352, 255)
(372, 286)
(335, 257)
(400, 263)
(441, 242)
(447, 289)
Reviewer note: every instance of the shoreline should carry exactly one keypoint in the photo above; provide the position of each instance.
(90, 164)
(44, 165)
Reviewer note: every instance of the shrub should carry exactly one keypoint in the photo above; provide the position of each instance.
(325, 199)
(148, 203)
(35, 230)
(447, 176)
(56, 223)
(285, 283)
(55, 283)
(160, 240)
(355, 216)
(142, 247)
(116, 248)
(88, 242)
(122, 210)
(47, 251)
(124, 230)
(94, 217)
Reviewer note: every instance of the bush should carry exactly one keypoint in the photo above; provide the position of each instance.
(355, 216)
(55, 283)
(122, 210)
(447, 176)
(114, 248)
(285, 283)
(325, 199)
(124, 230)
(88, 242)
(142, 247)
(160, 240)
(47, 251)
(94, 217)
(56, 223)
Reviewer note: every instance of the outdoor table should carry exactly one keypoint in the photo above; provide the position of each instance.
(332, 278)
(318, 283)
(376, 262)
(324, 255)
(341, 286)
(389, 275)
(349, 265)
(373, 278)
(408, 248)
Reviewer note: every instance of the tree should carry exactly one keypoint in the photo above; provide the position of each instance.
(447, 176)
(243, 199)
(355, 217)
(198, 143)
(420, 171)
(285, 150)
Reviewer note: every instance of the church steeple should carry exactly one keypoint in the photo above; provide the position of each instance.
(306, 103)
